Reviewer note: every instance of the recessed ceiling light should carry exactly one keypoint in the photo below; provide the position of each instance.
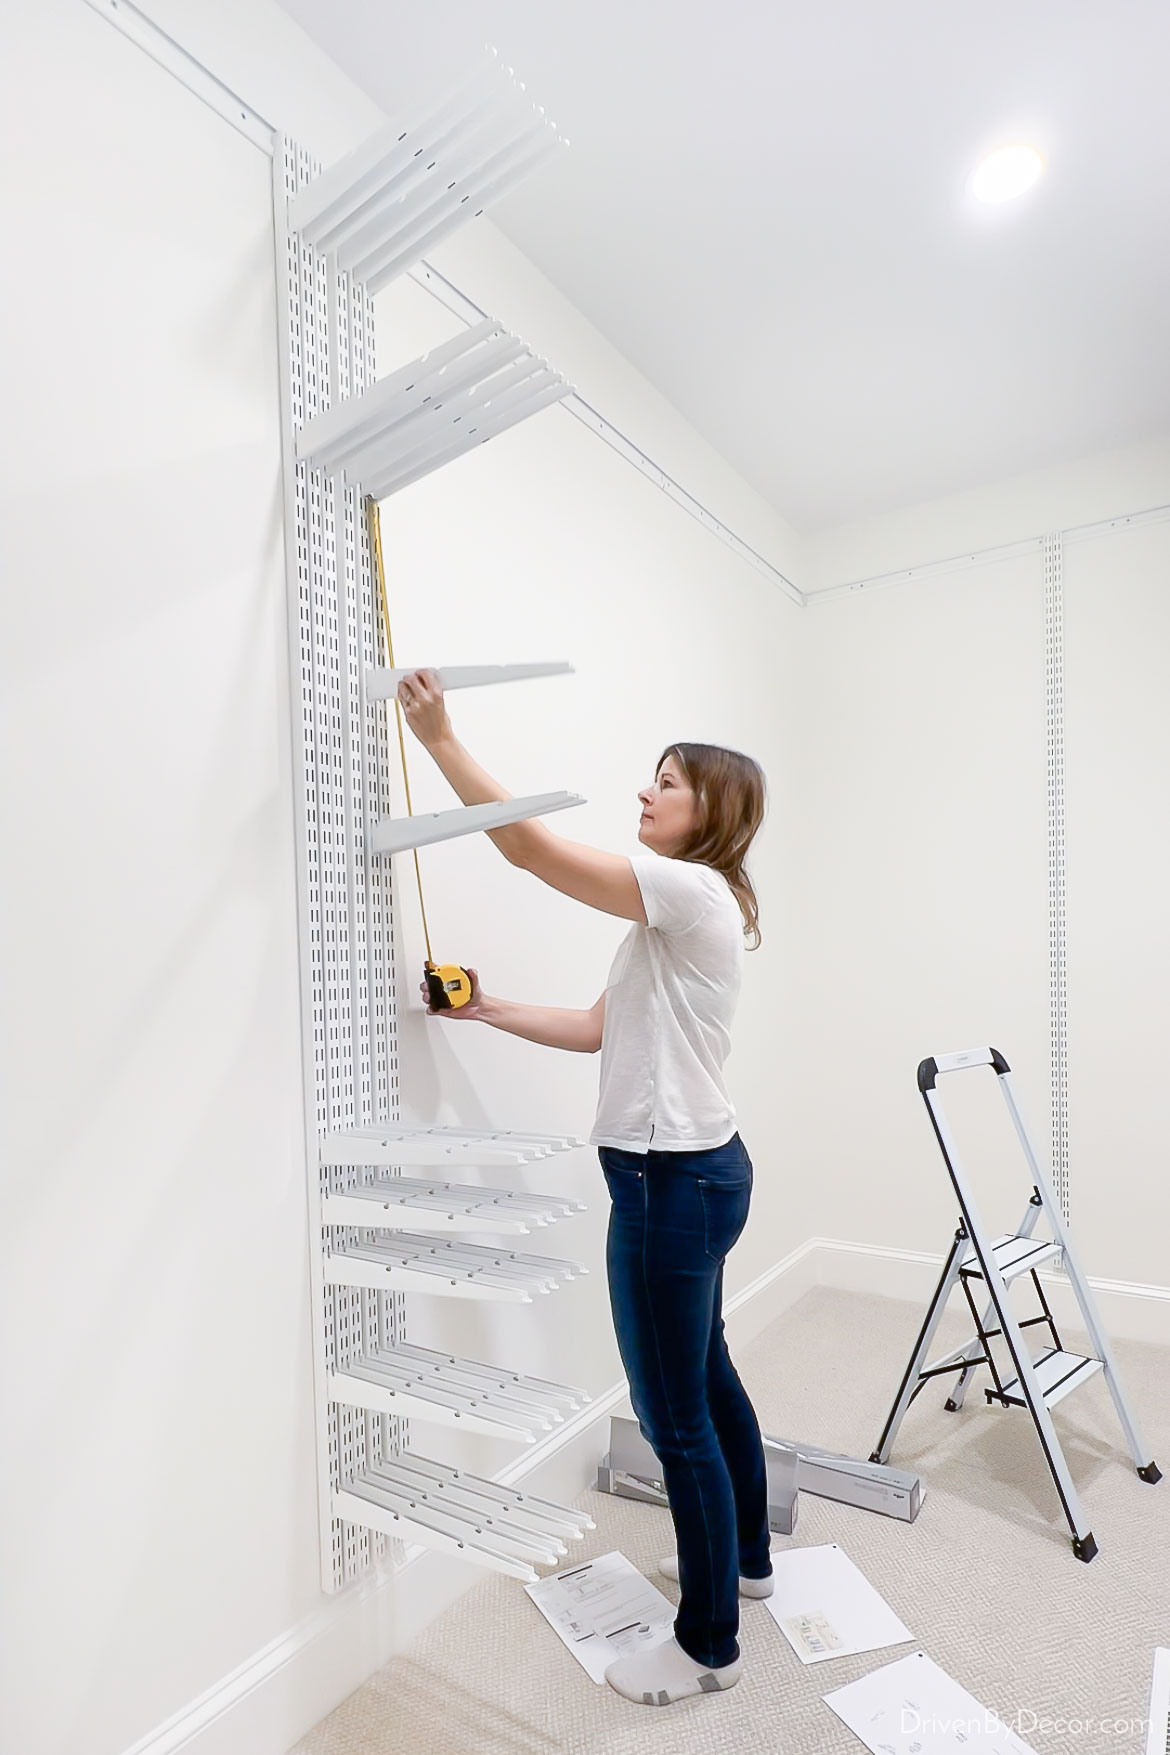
(1006, 173)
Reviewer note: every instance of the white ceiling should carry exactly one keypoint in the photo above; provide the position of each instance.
(764, 209)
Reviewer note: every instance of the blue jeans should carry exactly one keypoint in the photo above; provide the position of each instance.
(674, 1217)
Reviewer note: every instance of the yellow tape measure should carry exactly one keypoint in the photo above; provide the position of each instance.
(447, 987)
(448, 984)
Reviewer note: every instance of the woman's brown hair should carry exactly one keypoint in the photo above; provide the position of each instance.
(729, 804)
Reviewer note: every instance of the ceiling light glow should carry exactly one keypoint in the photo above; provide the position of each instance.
(1006, 173)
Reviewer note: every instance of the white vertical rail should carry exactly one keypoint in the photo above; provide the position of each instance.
(1057, 942)
(304, 757)
(344, 895)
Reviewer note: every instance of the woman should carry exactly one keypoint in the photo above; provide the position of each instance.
(678, 1173)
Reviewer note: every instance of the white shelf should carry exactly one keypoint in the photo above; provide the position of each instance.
(431, 411)
(544, 1142)
(445, 1206)
(449, 1148)
(418, 1383)
(400, 834)
(402, 1262)
(382, 683)
(344, 431)
(421, 1501)
(394, 197)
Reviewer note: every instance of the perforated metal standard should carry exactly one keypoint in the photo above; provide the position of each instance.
(345, 896)
(364, 1255)
(1057, 944)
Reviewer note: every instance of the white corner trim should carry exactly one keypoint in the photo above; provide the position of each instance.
(190, 72)
(1129, 1309)
(982, 557)
(457, 302)
(787, 1264)
(1120, 1288)
(191, 1721)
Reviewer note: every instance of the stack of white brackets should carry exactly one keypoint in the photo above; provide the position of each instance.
(391, 1207)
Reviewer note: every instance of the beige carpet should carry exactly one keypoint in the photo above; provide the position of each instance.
(985, 1577)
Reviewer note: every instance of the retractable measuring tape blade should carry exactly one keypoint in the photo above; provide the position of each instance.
(448, 984)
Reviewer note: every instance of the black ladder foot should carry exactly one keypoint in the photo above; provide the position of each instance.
(1151, 1472)
(1085, 1549)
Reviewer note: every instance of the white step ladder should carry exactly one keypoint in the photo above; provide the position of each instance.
(1039, 1383)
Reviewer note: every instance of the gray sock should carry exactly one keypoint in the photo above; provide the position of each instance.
(665, 1673)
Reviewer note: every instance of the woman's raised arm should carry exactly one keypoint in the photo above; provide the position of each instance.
(601, 880)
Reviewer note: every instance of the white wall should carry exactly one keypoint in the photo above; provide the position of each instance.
(924, 914)
(1129, 478)
(160, 1512)
(158, 1497)
(923, 781)
(1117, 742)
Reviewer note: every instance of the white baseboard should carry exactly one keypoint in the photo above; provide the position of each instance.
(1128, 1310)
(280, 1692)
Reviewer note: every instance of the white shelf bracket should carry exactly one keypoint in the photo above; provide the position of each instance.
(410, 185)
(400, 834)
(382, 683)
(429, 412)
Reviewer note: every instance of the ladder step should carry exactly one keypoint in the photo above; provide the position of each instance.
(1013, 1256)
(1058, 1375)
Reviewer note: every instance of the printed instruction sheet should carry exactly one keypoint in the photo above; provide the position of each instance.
(603, 1610)
(826, 1608)
(911, 1707)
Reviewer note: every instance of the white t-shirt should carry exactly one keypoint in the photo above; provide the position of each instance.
(669, 1002)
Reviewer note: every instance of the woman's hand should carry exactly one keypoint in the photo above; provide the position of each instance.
(473, 1009)
(421, 697)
